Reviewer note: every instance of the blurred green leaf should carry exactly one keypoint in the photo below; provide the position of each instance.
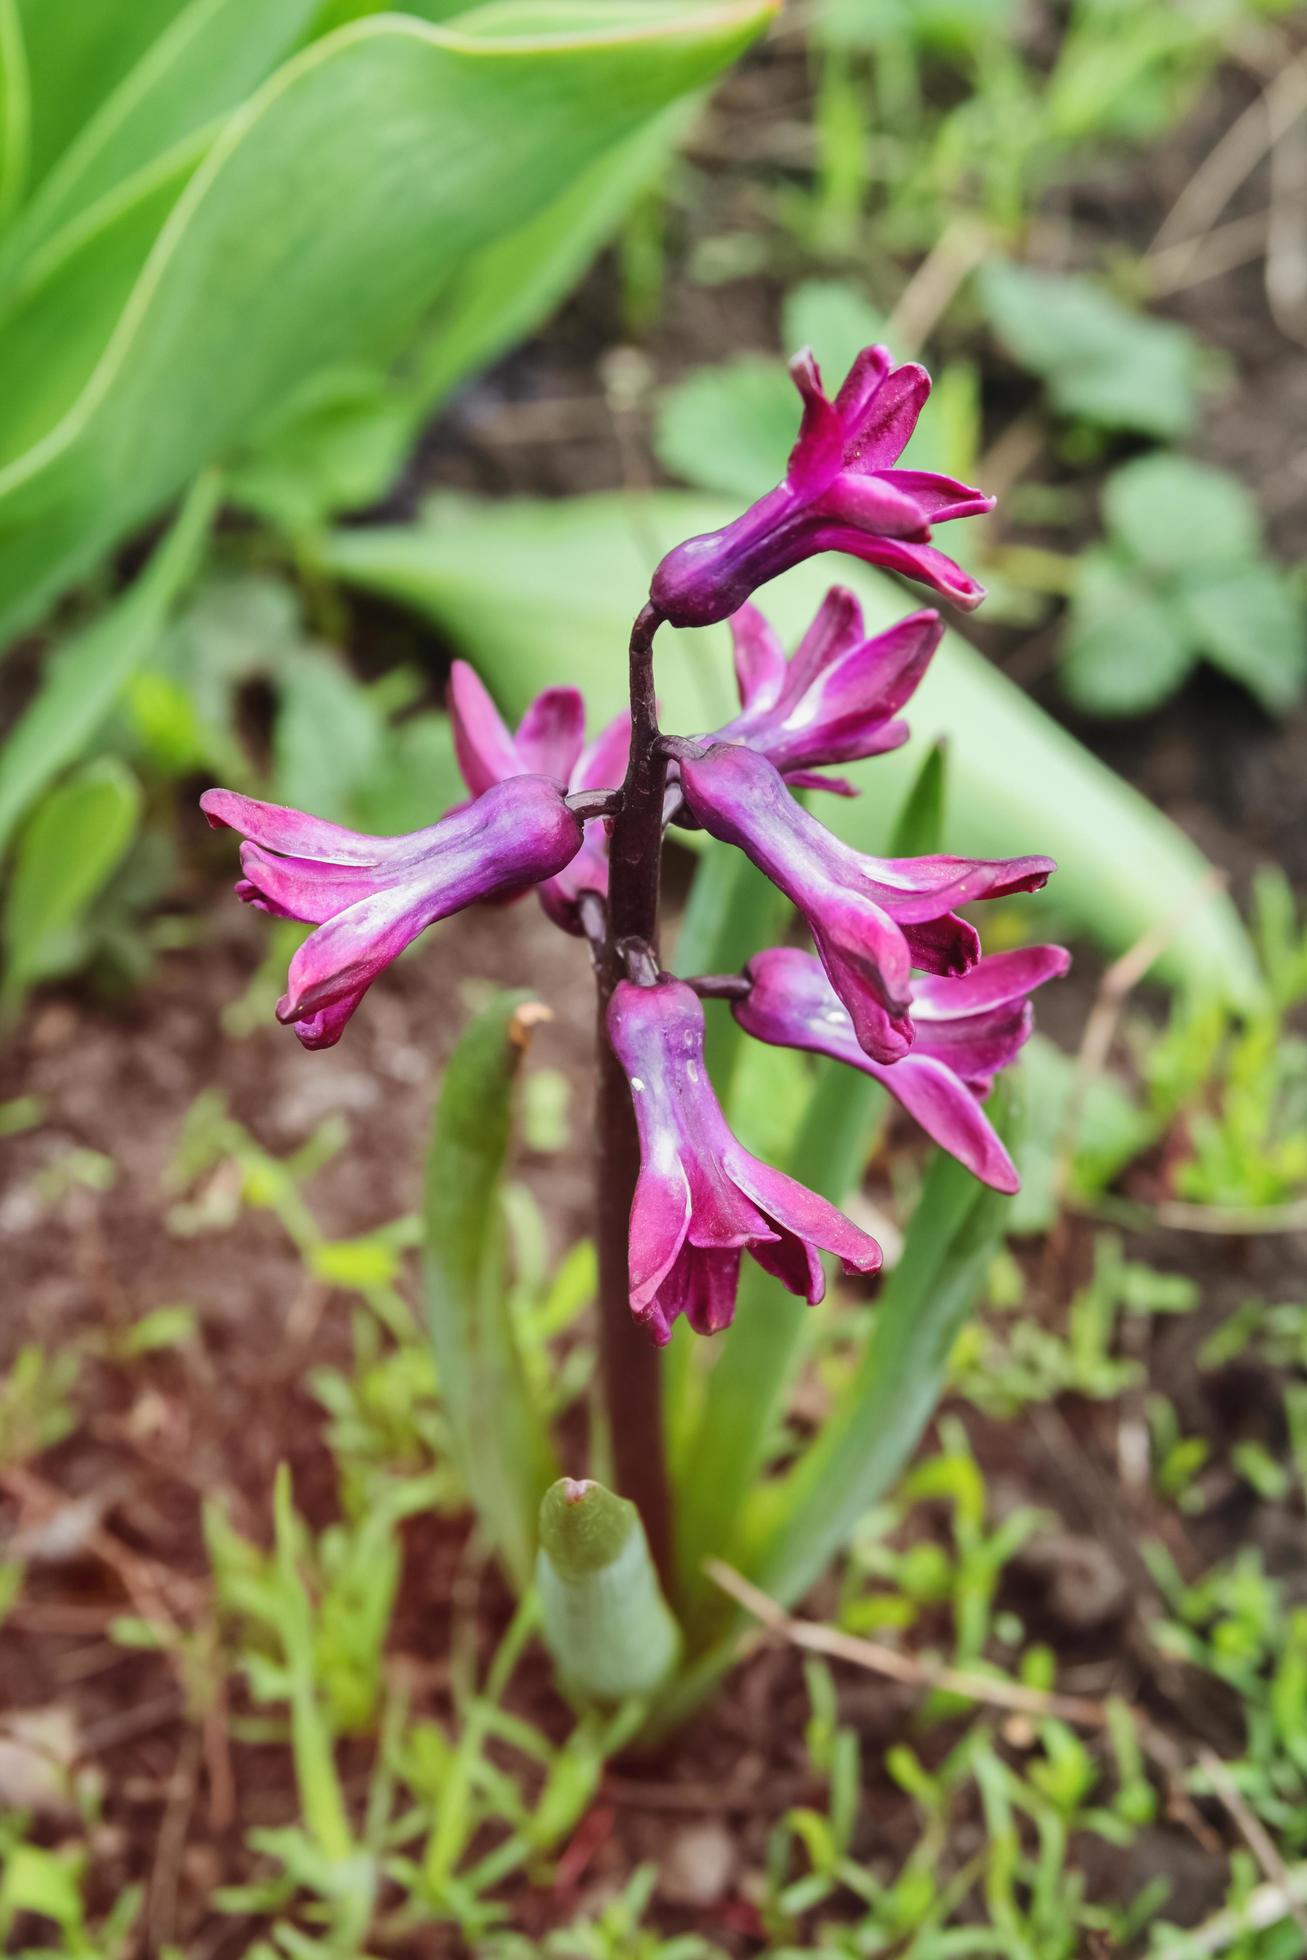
(206, 60)
(833, 318)
(1018, 782)
(1099, 361)
(1183, 575)
(1249, 623)
(919, 826)
(1172, 512)
(799, 1524)
(335, 227)
(728, 428)
(503, 1454)
(84, 678)
(1126, 649)
(70, 845)
(15, 108)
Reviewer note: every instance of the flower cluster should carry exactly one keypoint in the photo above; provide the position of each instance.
(898, 988)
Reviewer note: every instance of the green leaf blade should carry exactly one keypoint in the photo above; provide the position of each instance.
(503, 1452)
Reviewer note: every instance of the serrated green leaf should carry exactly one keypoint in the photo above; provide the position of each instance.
(1099, 361)
(1171, 511)
(1127, 647)
(68, 848)
(1018, 782)
(503, 1453)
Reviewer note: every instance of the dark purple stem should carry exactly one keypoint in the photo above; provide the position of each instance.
(590, 803)
(629, 1363)
(721, 986)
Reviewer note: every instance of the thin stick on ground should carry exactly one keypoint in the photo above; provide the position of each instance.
(817, 1638)
(1255, 1835)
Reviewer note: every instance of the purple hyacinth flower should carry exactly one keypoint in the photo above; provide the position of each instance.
(837, 699)
(872, 919)
(550, 741)
(965, 1031)
(701, 1200)
(840, 493)
(371, 896)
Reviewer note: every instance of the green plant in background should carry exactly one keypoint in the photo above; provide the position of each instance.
(1182, 576)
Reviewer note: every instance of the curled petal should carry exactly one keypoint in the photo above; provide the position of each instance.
(761, 668)
(878, 432)
(603, 764)
(295, 833)
(939, 498)
(861, 383)
(916, 561)
(872, 504)
(997, 981)
(300, 888)
(484, 748)
(817, 454)
(805, 1216)
(551, 735)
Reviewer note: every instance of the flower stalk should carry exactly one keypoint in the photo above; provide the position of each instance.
(629, 1365)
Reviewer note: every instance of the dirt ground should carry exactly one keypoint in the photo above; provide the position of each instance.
(110, 1516)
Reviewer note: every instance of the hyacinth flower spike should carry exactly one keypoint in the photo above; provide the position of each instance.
(872, 919)
(370, 897)
(841, 492)
(701, 1200)
(837, 699)
(965, 1031)
(550, 741)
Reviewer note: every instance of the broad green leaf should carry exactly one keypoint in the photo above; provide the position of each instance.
(728, 428)
(1100, 361)
(203, 64)
(533, 590)
(1127, 646)
(78, 51)
(1172, 512)
(337, 446)
(503, 1453)
(83, 679)
(602, 1612)
(1249, 623)
(340, 443)
(511, 285)
(63, 305)
(335, 228)
(69, 847)
(15, 108)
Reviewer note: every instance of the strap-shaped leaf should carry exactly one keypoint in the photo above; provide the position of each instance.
(503, 1451)
(800, 1523)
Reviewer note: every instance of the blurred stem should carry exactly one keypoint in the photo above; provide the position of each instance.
(629, 1364)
